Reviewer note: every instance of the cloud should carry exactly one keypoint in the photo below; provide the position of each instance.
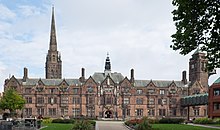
(135, 33)
(6, 13)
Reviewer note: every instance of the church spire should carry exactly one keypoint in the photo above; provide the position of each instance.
(53, 60)
(53, 41)
(107, 63)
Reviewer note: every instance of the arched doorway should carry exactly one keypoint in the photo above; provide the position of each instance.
(108, 114)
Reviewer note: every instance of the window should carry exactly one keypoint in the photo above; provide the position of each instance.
(40, 111)
(216, 106)
(64, 111)
(76, 112)
(162, 92)
(91, 112)
(139, 91)
(52, 100)
(126, 101)
(75, 90)
(151, 91)
(139, 112)
(173, 101)
(128, 112)
(192, 66)
(52, 90)
(196, 91)
(76, 100)
(89, 89)
(28, 112)
(183, 112)
(151, 101)
(139, 101)
(91, 100)
(196, 112)
(28, 99)
(40, 100)
(108, 100)
(162, 101)
(52, 111)
(162, 112)
(173, 112)
(151, 112)
(64, 99)
(125, 89)
(39, 89)
(184, 92)
(28, 90)
(216, 92)
(172, 91)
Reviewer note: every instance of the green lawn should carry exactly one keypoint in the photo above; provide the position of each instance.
(179, 127)
(58, 126)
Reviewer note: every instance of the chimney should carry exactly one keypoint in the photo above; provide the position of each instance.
(184, 80)
(82, 78)
(25, 74)
(132, 76)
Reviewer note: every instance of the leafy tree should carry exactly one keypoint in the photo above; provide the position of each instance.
(11, 100)
(198, 25)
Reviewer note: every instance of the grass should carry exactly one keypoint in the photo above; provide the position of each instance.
(58, 126)
(179, 127)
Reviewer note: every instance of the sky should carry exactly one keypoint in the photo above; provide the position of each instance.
(135, 33)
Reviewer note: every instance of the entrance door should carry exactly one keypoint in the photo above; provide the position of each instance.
(108, 114)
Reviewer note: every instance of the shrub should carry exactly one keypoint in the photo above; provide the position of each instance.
(216, 120)
(82, 125)
(203, 121)
(144, 125)
(47, 121)
(171, 120)
(65, 121)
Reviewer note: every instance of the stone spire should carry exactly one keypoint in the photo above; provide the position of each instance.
(53, 60)
(53, 41)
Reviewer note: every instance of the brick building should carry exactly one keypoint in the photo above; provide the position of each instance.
(106, 94)
(214, 100)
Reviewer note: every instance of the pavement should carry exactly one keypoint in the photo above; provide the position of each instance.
(207, 126)
(110, 125)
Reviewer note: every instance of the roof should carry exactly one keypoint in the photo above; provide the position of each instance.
(48, 82)
(158, 83)
(100, 77)
(217, 81)
(197, 95)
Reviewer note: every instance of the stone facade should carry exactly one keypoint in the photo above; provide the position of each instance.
(106, 94)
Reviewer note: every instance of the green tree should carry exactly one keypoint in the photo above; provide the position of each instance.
(12, 101)
(198, 25)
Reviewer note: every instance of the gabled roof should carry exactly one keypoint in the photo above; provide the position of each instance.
(49, 82)
(158, 83)
(100, 77)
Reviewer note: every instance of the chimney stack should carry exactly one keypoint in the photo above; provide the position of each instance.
(132, 76)
(184, 80)
(25, 74)
(82, 78)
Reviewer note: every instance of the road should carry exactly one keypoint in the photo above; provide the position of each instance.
(110, 125)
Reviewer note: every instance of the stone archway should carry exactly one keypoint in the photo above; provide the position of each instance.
(108, 114)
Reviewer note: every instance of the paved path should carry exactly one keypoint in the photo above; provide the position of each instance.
(207, 126)
(110, 125)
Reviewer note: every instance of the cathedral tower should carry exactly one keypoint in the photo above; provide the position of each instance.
(53, 60)
(197, 68)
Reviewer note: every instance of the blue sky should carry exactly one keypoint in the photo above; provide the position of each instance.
(136, 33)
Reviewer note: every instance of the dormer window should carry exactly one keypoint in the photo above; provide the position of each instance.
(139, 91)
